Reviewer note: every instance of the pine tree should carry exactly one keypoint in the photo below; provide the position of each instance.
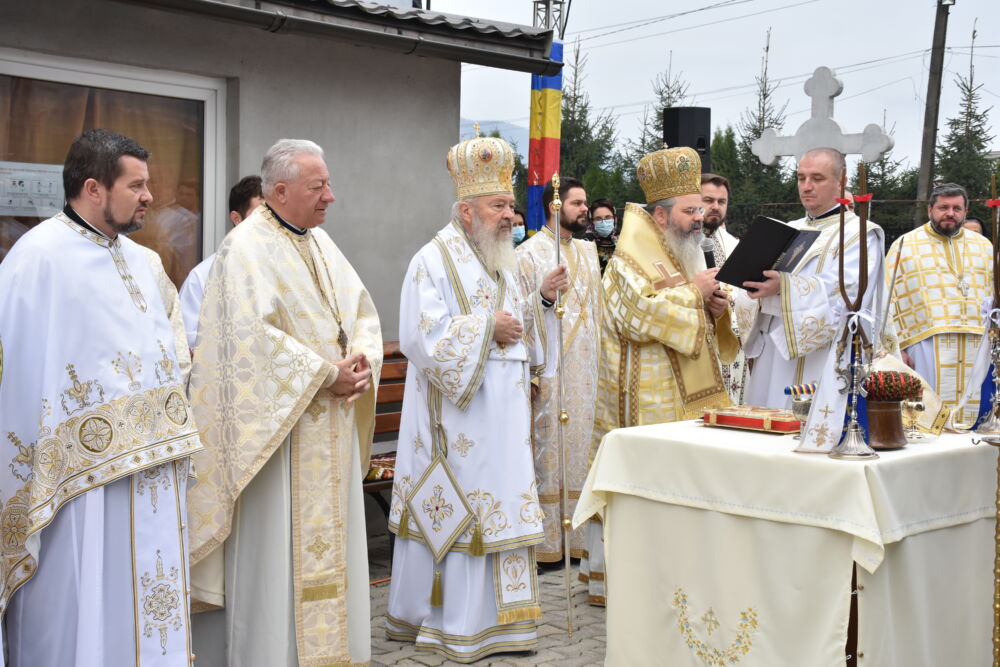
(755, 182)
(669, 90)
(725, 158)
(587, 140)
(961, 157)
(888, 179)
(520, 176)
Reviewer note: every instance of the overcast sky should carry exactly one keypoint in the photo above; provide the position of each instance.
(879, 49)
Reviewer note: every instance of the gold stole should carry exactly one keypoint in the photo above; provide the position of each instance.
(699, 379)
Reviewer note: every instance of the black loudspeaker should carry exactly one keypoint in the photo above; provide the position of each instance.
(692, 127)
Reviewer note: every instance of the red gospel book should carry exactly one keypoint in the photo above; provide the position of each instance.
(753, 419)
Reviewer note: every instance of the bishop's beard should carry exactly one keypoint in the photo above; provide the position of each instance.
(496, 247)
(686, 247)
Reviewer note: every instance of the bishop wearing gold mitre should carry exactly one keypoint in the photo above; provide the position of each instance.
(666, 323)
(944, 275)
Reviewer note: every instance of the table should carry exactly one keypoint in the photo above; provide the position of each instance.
(724, 547)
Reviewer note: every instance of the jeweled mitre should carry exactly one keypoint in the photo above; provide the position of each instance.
(481, 166)
(671, 172)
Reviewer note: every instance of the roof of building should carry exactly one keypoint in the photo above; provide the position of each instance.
(378, 25)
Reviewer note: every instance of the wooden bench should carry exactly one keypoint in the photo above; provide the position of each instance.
(388, 411)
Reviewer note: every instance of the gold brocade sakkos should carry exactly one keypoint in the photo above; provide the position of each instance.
(266, 349)
(694, 354)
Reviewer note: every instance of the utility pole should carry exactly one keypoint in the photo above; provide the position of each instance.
(552, 14)
(927, 147)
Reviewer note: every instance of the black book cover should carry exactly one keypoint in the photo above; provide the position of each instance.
(768, 244)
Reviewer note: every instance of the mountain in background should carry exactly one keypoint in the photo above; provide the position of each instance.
(515, 134)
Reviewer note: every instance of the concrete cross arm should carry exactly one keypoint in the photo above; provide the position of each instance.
(820, 130)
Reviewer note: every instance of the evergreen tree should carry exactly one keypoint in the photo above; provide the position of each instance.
(520, 171)
(587, 140)
(669, 90)
(961, 157)
(889, 180)
(755, 182)
(725, 158)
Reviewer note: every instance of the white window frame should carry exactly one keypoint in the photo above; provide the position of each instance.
(209, 90)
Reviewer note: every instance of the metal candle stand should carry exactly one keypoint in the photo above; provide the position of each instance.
(853, 447)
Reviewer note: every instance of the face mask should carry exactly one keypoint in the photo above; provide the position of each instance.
(604, 228)
(517, 233)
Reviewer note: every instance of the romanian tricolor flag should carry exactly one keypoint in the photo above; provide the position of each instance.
(543, 138)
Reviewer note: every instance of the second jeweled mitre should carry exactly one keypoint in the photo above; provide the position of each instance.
(670, 172)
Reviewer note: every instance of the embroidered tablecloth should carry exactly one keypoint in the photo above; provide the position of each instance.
(727, 548)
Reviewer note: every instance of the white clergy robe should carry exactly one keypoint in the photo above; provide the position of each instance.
(467, 400)
(580, 356)
(97, 438)
(277, 519)
(734, 374)
(790, 334)
(937, 307)
(191, 293)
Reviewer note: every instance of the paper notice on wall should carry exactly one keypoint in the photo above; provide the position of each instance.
(28, 189)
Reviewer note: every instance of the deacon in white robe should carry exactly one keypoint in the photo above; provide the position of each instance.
(715, 197)
(244, 197)
(580, 349)
(464, 503)
(97, 430)
(794, 319)
(283, 388)
(945, 277)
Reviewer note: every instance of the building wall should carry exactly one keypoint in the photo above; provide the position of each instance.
(385, 120)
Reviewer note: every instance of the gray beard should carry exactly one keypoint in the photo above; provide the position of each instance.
(687, 249)
(497, 250)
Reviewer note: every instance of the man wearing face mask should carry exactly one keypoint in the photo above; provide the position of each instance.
(580, 351)
(945, 274)
(602, 230)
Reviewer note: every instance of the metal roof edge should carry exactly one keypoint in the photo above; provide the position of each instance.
(517, 53)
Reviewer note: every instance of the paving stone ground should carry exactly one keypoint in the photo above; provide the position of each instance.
(555, 648)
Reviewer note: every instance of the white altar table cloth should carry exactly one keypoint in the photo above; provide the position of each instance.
(724, 547)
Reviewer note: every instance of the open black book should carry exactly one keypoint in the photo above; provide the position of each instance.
(768, 244)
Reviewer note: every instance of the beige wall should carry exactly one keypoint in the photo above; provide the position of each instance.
(385, 120)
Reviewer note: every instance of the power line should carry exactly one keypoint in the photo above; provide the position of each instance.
(641, 23)
(785, 81)
(661, 19)
(701, 25)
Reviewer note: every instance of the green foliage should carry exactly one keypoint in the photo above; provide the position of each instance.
(587, 140)
(725, 159)
(961, 156)
(669, 90)
(520, 171)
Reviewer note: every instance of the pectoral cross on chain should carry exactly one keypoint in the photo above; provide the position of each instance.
(963, 286)
(342, 341)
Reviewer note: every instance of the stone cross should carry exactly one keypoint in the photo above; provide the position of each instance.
(821, 130)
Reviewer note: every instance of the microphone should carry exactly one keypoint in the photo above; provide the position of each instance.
(708, 248)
